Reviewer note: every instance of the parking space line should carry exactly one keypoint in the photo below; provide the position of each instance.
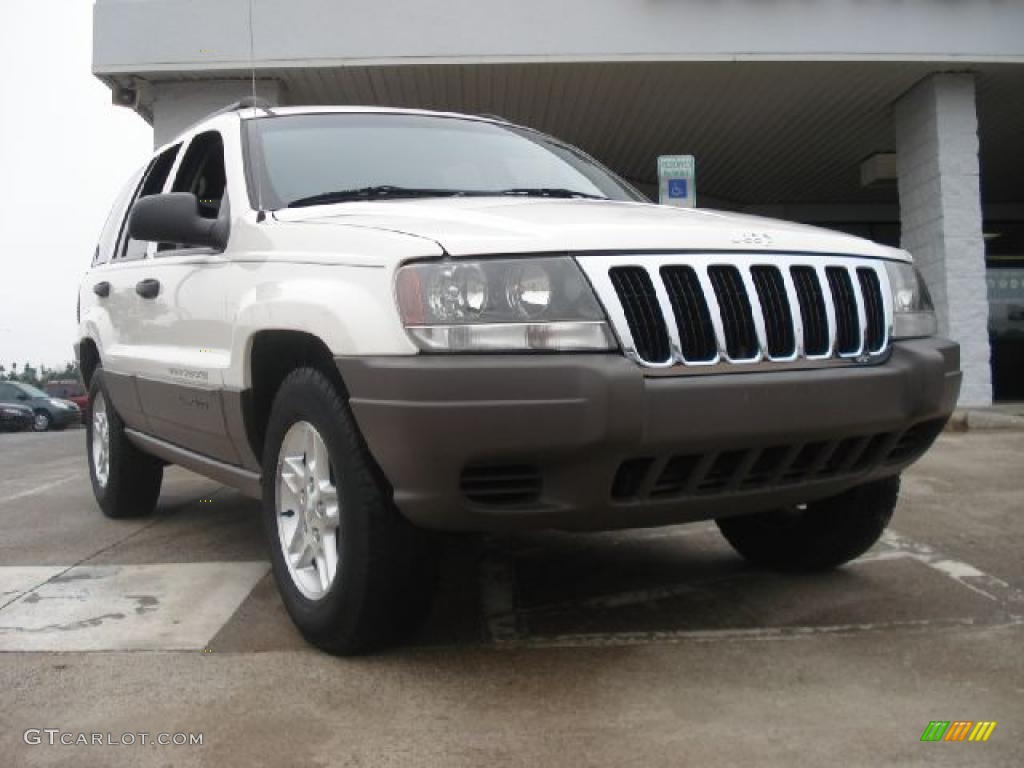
(507, 624)
(40, 488)
(616, 639)
(964, 574)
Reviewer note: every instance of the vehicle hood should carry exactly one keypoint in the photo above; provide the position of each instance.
(479, 226)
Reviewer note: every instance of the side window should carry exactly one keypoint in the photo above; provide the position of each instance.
(8, 394)
(115, 221)
(202, 173)
(156, 177)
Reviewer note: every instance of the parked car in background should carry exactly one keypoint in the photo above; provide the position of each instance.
(69, 389)
(15, 418)
(48, 412)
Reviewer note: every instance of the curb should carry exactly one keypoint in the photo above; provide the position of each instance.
(971, 420)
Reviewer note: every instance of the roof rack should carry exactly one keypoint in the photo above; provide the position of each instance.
(249, 102)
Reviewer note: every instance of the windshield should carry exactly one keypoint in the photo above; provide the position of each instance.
(29, 390)
(321, 158)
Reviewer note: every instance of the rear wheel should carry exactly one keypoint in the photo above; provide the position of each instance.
(125, 481)
(817, 536)
(353, 573)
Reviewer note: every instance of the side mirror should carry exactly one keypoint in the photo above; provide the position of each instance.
(22, 396)
(174, 218)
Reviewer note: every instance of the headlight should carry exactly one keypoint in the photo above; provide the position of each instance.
(496, 305)
(912, 312)
(58, 403)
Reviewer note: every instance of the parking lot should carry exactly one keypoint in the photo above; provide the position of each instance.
(649, 647)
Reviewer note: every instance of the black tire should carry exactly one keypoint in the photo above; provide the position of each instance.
(42, 422)
(386, 566)
(134, 478)
(823, 535)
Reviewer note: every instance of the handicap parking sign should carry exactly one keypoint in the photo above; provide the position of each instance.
(677, 180)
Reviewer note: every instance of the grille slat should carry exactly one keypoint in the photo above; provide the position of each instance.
(871, 290)
(737, 316)
(778, 317)
(848, 340)
(812, 310)
(640, 303)
(693, 319)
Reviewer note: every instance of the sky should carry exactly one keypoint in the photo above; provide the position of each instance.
(65, 151)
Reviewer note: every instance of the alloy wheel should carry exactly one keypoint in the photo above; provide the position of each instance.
(308, 512)
(100, 441)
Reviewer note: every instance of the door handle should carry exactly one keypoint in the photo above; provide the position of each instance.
(102, 289)
(148, 288)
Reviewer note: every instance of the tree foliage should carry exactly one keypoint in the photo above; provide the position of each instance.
(29, 374)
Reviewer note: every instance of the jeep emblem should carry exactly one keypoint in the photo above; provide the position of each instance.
(752, 238)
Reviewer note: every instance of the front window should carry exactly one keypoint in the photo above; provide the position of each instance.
(299, 160)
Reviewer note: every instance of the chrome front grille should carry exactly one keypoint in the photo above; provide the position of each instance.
(718, 312)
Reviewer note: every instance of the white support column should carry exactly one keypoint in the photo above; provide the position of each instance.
(177, 105)
(940, 208)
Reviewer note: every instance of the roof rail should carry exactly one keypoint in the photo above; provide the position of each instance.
(249, 102)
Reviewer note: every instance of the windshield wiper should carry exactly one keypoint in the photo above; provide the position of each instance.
(550, 192)
(370, 193)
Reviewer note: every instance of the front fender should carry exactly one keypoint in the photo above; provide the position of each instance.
(350, 308)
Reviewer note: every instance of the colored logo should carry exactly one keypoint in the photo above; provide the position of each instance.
(677, 188)
(958, 730)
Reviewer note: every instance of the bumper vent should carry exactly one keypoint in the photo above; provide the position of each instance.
(700, 474)
(715, 312)
(501, 485)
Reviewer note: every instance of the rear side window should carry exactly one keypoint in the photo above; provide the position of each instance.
(115, 221)
(156, 176)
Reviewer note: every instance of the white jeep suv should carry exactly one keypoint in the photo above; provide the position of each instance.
(385, 323)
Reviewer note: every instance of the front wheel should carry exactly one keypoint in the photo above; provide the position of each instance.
(353, 573)
(42, 421)
(816, 536)
(125, 481)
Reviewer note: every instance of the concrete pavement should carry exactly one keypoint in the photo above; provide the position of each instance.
(655, 647)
